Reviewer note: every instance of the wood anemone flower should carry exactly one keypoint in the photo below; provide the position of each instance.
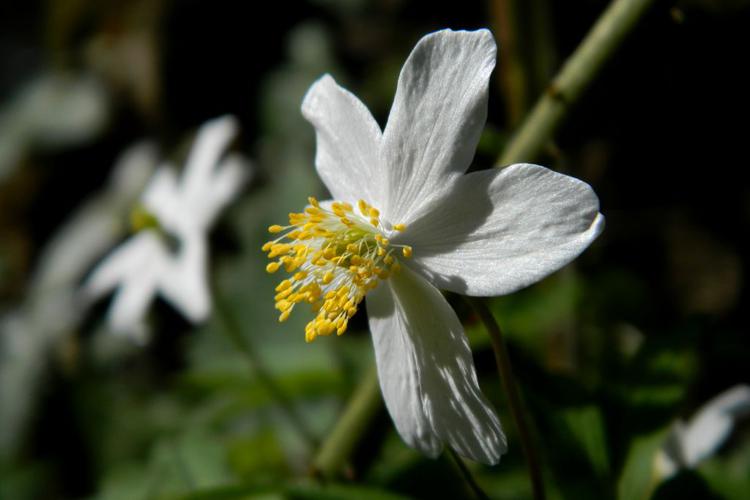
(407, 220)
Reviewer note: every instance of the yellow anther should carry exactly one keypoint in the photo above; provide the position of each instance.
(351, 256)
(406, 251)
(275, 228)
(363, 206)
(272, 267)
(399, 227)
(283, 305)
(283, 285)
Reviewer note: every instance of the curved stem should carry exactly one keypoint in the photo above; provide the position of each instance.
(468, 477)
(231, 328)
(343, 439)
(514, 398)
(575, 77)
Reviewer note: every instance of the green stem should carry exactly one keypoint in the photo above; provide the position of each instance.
(514, 398)
(576, 75)
(468, 477)
(231, 328)
(361, 409)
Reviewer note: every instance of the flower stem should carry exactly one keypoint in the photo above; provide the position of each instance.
(362, 407)
(231, 328)
(514, 398)
(468, 477)
(576, 75)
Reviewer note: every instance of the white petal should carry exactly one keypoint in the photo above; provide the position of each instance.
(123, 262)
(129, 305)
(427, 372)
(499, 231)
(212, 139)
(163, 199)
(183, 281)
(713, 423)
(230, 176)
(347, 142)
(437, 116)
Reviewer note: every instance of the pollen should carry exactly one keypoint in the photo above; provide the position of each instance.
(335, 256)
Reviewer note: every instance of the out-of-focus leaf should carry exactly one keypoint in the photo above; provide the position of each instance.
(527, 315)
(300, 491)
(637, 479)
(729, 475)
(260, 454)
(586, 426)
(338, 492)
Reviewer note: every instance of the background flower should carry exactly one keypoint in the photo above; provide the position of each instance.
(182, 209)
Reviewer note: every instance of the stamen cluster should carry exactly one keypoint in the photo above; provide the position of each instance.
(336, 256)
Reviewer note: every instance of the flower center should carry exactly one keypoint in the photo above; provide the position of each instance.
(336, 256)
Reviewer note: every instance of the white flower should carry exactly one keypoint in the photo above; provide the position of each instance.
(183, 209)
(484, 233)
(689, 443)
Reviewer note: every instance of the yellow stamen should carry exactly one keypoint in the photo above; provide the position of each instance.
(335, 257)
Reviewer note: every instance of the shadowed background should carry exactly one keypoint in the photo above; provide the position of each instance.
(645, 327)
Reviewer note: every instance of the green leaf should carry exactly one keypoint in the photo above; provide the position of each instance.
(638, 479)
(586, 426)
(339, 492)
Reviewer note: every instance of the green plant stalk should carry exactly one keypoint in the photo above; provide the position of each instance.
(510, 386)
(360, 411)
(575, 77)
(467, 476)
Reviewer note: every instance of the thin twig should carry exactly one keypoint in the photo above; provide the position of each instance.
(575, 77)
(231, 328)
(467, 475)
(514, 398)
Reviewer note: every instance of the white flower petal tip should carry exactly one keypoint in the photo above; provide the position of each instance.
(438, 114)
(427, 373)
(496, 231)
(348, 140)
(183, 208)
(691, 442)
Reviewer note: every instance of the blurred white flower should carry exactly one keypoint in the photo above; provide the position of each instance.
(51, 312)
(689, 443)
(168, 255)
(408, 219)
